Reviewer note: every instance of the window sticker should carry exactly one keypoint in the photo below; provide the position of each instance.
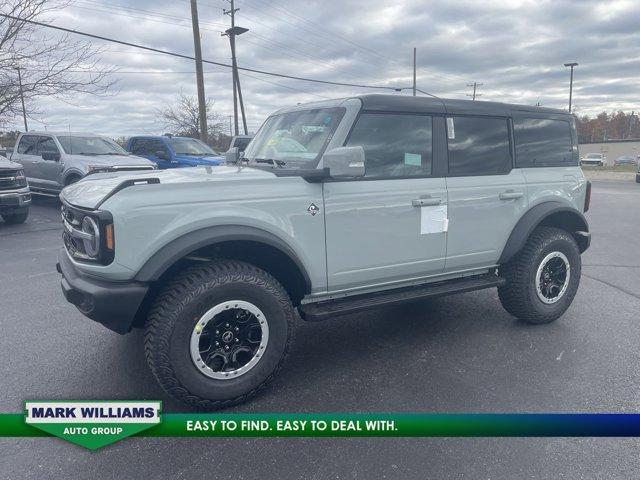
(451, 131)
(413, 159)
(434, 219)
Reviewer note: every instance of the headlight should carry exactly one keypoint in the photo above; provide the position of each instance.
(88, 236)
(97, 168)
(92, 241)
(21, 180)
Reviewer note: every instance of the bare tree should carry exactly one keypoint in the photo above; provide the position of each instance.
(50, 65)
(183, 119)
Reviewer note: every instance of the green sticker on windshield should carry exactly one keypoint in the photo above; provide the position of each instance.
(413, 159)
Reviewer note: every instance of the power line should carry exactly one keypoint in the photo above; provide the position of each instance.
(146, 14)
(317, 29)
(171, 20)
(188, 57)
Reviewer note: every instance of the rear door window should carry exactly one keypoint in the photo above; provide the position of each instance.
(394, 145)
(46, 145)
(478, 146)
(542, 142)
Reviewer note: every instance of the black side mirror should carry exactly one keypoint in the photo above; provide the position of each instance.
(161, 154)
(51, 156)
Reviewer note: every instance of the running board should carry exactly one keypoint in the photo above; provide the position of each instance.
(314, 312)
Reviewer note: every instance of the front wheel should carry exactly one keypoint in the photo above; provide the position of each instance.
(16, 218)
(543, 279)
(218, 333)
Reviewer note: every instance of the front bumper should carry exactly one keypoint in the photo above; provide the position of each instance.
(15, 200)
(113, 304)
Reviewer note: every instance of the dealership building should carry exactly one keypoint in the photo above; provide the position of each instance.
(612, 149)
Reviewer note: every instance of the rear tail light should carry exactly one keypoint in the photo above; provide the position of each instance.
(587, 197)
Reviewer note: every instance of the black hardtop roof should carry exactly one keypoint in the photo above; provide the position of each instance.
(420, 104)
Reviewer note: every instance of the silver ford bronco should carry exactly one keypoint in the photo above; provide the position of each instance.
(336, 207)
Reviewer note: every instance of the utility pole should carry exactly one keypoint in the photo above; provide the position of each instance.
(24, 111)
(237, 90)
(202, 104)
(414, 71)
(475, 85)
(231, 125)
(572, 65)
(631, 119)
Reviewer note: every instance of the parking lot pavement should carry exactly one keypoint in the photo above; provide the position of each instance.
(456, 354)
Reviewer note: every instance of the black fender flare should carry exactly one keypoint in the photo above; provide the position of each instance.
(164, 258)
(72, 172)
(536, 216)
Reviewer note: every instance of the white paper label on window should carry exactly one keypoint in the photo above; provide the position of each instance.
(451, 130)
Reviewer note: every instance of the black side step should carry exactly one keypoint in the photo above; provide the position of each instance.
(322, 310)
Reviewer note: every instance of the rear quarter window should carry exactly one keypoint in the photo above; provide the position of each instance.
(543, 142)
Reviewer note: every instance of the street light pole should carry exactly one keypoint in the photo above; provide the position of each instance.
(24, 111)
(237, 91)
(572, 65)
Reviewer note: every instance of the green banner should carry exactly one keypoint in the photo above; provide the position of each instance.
(95, 424)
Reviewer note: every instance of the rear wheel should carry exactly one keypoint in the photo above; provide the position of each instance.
(218, 333)
(544, 278)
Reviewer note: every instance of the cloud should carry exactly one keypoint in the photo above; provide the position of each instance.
(515, 48)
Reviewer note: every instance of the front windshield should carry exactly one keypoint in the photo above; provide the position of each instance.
(190, 146)
(90, 146)
(294, 139)
(594, 155)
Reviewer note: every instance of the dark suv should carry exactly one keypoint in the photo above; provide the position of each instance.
(15, 196)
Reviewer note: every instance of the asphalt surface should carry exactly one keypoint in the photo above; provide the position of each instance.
(457, 354)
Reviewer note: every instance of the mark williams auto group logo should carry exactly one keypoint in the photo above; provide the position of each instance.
(93, 424)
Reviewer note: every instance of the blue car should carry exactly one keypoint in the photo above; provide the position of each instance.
(174, 152)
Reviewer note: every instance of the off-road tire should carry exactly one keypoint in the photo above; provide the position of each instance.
(176, 311)
(518, 296)
(15, 218)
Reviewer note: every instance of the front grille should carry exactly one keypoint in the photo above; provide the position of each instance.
(9, 180)
(72, 218)
(74, 237)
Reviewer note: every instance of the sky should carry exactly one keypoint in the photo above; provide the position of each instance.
(515, 49)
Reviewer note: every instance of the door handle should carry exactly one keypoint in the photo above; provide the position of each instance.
(510, 195)
(426, 202)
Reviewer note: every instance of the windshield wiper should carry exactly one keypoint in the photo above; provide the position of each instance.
(275, 163)
(111, 153)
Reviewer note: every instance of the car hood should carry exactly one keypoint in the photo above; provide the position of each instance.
(107, 160)
(196, 160)
(6, 163)
(92, 190)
